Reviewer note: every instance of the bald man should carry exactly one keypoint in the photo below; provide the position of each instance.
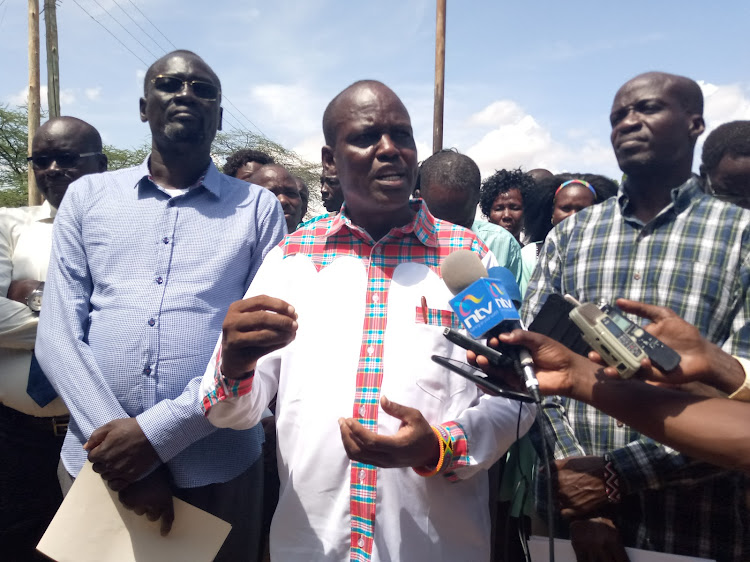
(655, 242)
(33, 420)
(279, 181)
(329, 323)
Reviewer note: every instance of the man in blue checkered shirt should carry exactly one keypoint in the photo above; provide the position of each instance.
(145, 262)
(661, 240)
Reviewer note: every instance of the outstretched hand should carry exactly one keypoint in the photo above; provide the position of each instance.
(414, 444)
(253, 328)
(558, 369)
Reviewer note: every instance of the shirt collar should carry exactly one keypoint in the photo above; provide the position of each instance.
(422, 225)
(210, 179)
(682, 196)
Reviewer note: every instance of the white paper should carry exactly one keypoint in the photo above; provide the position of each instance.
(539, 550)
(93, 526)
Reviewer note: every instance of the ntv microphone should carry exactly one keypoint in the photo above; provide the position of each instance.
(487, 304)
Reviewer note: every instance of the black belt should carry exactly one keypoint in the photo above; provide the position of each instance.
(57, 424)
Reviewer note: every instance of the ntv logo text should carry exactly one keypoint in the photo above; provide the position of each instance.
(481, 313)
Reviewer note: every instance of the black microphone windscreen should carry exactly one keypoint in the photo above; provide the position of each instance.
(460, 269)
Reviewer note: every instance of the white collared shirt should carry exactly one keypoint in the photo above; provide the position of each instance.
(25, 242)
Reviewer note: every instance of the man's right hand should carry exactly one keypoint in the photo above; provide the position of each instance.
(252, 328)
(597, 540)
(20, 289)
(152, 497)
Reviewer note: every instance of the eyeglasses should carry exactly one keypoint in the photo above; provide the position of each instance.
(63, 159)
(172, 85)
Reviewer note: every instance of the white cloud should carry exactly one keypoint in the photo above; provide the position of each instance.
(309, 148)
(67, 97)
(724, 103)
(93, 93)
(517, 139)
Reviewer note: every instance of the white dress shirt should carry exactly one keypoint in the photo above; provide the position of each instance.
(416, 518)
(25, 242)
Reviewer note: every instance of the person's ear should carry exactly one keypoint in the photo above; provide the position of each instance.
(221, 118)
(696, 126)
(103, 161)
(142, 104)
(328, 161)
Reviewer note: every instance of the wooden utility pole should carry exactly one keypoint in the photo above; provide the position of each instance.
(437, 127)
(53, 61)
(35, 198)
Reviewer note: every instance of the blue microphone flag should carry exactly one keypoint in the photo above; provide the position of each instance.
(483, 305)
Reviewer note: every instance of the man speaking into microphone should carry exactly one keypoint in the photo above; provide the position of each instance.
(382, 453)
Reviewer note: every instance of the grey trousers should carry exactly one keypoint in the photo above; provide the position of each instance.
(239, 502)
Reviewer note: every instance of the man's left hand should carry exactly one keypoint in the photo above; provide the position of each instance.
(414, 444)
(581, 488)
(121, 451)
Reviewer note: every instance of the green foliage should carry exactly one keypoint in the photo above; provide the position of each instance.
(118, 158)
(13, 149)
(227, 143)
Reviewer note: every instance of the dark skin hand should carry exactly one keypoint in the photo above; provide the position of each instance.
(580, 486)
(120, 451)
(414, 444)
(20, 289)
(151, 497)
(253, 328)
(597, 540)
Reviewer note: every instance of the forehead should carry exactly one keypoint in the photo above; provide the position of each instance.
(574, 192)
(274, 175)
(60, 136)
(643, 88)
(185, 66)
(512, 194)
(371, 107)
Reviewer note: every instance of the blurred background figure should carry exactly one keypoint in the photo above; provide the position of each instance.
(556, 198)
(244, 163)
(726, 163)
(502, 199)
(282, 184)
(330, 192)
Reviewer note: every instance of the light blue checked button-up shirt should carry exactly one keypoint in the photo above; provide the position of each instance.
(137, 289)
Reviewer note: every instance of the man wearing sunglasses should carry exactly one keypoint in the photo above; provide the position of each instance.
(145, 262)
(32, 418)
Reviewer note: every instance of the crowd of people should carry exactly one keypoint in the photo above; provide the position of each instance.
(207, 336)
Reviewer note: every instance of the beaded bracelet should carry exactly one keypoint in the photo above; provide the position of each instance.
(445, 441)
(611, 481)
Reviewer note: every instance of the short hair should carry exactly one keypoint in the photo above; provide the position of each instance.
(686, 90)
(329, 123)
(503, 181)
(238, 159)
(451, 169)
(731, 139)
(151, 72)
(89, 136)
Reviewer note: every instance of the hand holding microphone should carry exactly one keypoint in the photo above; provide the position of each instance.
(487, 305)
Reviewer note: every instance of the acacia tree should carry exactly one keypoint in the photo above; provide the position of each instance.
(227, 143)
(13, 165)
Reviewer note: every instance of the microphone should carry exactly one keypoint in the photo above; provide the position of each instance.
(487, 304)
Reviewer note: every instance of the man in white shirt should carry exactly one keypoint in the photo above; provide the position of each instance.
(382, 453)
(33, 419)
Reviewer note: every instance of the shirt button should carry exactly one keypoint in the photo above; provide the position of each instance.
(147, 371)
(637, 276)
(361, 476)
(370, 350)
(159, 280)
(376, 250)
(151, 321)
(362, 410)
(375, 298)
(361, 542)
(165, 240)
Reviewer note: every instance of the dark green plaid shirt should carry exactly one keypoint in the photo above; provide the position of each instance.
(693, 257)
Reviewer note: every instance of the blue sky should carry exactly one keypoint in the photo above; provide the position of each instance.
(527, 83)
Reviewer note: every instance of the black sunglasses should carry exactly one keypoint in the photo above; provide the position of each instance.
(172, 85)
(63, 159)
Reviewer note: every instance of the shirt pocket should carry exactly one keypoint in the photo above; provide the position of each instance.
(437, 317)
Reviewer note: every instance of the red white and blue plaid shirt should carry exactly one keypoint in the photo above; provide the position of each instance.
(362, 334)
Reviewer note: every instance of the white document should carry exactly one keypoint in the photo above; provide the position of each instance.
(93, 526)
(539, 550)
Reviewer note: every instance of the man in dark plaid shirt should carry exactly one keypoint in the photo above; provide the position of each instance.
(661, 240)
